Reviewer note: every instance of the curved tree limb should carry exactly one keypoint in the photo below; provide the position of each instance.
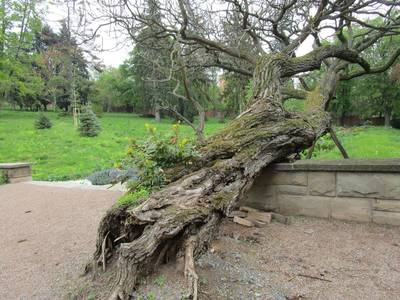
(375, 70)
(288, 93)
(313, 60)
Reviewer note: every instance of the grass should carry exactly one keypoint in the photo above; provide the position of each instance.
(133, 198)
(365, 142)
(60, 153)
(3, 177)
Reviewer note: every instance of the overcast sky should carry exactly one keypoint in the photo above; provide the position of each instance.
(118, 50)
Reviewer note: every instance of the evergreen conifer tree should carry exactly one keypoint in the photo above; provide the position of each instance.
(88, 123)
(42, 122)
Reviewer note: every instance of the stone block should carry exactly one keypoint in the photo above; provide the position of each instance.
(259, 191)
(387, 205)
(261, 195)
(267, 204)
(264, 179)
(259, 216)
(238, 213)
(386, 217)
(314, 206)
(387, 165)
(258, 224)
(322, 183)
(19, 179)
(351, 209)
(243, 221)
(291, 189)
(19, 172)
(288, 178)
(369, 185)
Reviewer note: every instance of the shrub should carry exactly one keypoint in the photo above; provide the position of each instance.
(157, 153)
(110, 176)
(160, 281)
(62, 114)
(103, 177)
(395, 123)
(88, 123)
(3, 177)
(42, 122)
(324, 144)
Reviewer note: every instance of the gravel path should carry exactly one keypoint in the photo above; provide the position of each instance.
(48, 234)
(82, 184)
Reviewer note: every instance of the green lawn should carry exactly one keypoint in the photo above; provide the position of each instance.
(365, 142)
(60, 153)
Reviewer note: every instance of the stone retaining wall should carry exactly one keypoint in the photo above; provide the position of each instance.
(17, 172)
(355, 190)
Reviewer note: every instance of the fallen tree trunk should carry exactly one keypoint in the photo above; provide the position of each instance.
(181, 219)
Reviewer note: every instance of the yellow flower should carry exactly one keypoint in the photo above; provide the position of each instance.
(151, 129)
(184, 142)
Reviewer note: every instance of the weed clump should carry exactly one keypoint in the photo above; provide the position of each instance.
(134, 198)
(3, 177)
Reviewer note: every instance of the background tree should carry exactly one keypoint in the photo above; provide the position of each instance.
(374, 95)
(108, 90)
(19, 84)
(42, 122)
(88, 123)
(236, 89)
(37, 65)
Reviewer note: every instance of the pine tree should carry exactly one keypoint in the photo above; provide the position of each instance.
(88, 123)
(42, 122)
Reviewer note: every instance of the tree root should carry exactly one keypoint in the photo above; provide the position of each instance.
(103, 251)
(190, 272)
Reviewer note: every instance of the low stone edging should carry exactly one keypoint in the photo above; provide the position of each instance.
(17, 172)
(354, 190)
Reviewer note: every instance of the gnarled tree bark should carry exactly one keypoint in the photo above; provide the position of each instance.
(182, 218)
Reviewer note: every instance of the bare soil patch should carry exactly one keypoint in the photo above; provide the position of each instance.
(307, 259)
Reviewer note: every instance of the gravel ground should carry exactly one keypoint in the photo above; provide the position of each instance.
(48, 235)
(308, 259)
